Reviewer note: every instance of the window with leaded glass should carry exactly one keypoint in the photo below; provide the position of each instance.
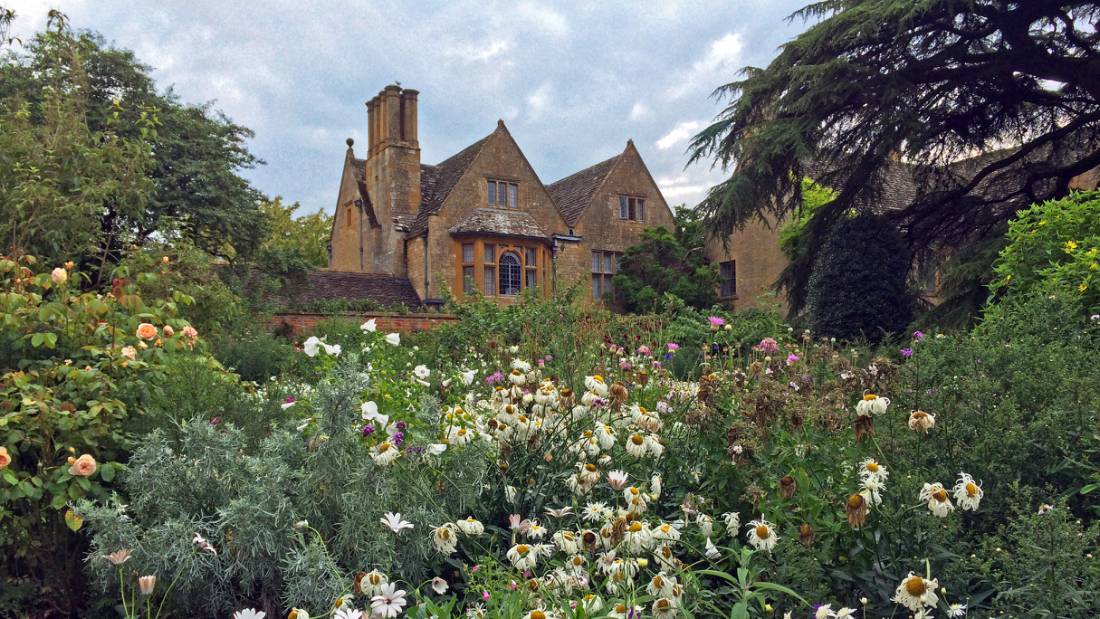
(604, 266)
(467, 268)
(502, 194)
(509, 274)
(490, 275)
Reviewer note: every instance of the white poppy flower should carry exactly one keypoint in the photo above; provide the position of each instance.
(393, 339)
(422, 372)
(439, 585)
(369, 326)
(311, 346)
(369, 410)
(711, 551)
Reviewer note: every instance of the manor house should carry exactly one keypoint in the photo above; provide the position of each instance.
(482, 220)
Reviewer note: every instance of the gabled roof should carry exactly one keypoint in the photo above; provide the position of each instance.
(501, 222)
(573, 193)
(359, 172)
(436, 183)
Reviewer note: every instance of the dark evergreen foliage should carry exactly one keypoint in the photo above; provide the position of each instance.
(924, 82)
(858, 285)
(667, 262)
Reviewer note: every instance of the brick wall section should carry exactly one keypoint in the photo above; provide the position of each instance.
(387, 323)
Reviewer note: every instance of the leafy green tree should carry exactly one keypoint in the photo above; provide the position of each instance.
(858, 287)
(878, 83)
(196, 154)
(792, 234)
(292, 241)
(62, 181)
(667, 262)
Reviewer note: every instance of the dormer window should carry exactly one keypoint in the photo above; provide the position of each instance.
(632, 207)
(502, 194)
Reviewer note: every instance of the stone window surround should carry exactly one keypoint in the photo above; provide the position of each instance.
(641, 202)
(511, 183)
(518, 246)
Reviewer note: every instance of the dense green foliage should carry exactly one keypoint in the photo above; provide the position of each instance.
(77, 371)
(668, 263)
(95, 159)
(858, 287)
(1054, 247)
(873, 83)
(792, 233)
(293, 241)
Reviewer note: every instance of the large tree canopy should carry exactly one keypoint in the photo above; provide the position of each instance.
(195, 154)
(922, 84)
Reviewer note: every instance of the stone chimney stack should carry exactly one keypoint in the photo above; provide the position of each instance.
(393, 155)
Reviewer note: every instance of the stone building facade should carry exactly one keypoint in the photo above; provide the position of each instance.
(482, 220)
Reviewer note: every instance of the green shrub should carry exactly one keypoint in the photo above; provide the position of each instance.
(76, 368)
(1054, 246)
(858, 285)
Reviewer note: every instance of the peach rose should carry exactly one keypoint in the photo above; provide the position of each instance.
(146, 331)
(84, 466)
(168, 331)
(190, 333)
(129, 352)
(5, 457)
(59, 276)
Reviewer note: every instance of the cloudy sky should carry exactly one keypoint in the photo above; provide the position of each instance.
(572, 80)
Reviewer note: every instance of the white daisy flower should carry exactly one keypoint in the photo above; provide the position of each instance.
(470, 526)
(666, 532)
(968, 493)
(384, 453)
(523, 557)
(249, 613)
(445, 538)
(389, 602)
(371, 582)
(395, 523)
(762, 536)
(636, 446)
(597, 385)
(617, 479)
(568, 542)
(938, 500)
(915, 592)
(871, 404)
(422, 372)
(535, 530)
(871, 469)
